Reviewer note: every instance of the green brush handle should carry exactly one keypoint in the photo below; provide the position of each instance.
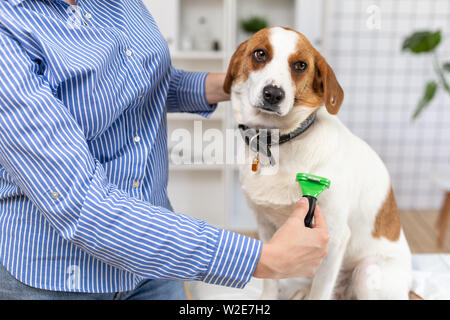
(310, 215)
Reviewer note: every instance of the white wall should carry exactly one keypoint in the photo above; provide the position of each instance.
(383, 85)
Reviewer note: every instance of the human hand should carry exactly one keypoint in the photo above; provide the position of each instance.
(214, 88)
(295, 250)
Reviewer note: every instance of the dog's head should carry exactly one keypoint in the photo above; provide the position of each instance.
(277, 72)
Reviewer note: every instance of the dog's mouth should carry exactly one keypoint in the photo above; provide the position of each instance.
(269, 109)
(265, 117)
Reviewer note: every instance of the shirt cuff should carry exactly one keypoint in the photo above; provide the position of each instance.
(187, 93)
(234, 261)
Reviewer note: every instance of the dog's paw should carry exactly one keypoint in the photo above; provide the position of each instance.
(300, 294)
(269, 296)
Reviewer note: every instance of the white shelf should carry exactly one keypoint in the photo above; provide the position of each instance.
(197, 55)
(217, 115)
(203, 167)
(195, 167)
(181, 116)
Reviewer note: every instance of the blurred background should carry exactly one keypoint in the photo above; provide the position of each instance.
(392, 59)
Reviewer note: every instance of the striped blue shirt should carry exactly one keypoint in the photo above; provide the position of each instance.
(83, 153)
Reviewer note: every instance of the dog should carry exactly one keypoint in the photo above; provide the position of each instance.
(278, 80)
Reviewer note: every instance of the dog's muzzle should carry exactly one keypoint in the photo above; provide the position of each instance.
(272, 97)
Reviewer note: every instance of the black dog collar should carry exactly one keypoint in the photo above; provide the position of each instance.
(260, 140)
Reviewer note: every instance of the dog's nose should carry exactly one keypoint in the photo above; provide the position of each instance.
(273, 95)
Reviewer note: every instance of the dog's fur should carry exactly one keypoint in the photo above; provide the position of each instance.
(368, 257)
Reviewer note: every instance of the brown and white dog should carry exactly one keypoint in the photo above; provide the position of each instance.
(277, 79)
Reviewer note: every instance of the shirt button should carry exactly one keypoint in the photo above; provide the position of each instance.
(55, 195)
(128, 53)
(88, 15)
(135, 184)
(137, 139)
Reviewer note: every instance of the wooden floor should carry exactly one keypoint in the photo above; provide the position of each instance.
(420, 231)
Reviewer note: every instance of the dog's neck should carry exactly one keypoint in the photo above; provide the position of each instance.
(261, 140)
(318, 142)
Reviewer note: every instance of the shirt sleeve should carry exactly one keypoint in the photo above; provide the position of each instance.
(187, 93)
(45, 153)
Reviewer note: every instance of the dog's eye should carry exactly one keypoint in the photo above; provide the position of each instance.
(260, 55)
(299, 66)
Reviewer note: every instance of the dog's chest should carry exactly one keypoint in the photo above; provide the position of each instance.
(274, 196)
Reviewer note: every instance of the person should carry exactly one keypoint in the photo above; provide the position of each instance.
(84, 214)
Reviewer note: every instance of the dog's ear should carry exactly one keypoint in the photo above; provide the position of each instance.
(234, 66)
(326, 84)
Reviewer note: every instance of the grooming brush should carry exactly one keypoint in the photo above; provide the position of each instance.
(312, 186)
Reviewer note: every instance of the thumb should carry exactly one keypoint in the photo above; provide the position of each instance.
(301, 209)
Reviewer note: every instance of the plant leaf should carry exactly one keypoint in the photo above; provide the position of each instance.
(253, 24)
(446, 66)
(428, 95)
(440, 74)
(422, 41)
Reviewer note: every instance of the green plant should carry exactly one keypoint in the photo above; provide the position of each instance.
(427, 42)
(253, 24)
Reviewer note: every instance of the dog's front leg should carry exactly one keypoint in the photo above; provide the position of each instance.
(325, 278)
(266, 229)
